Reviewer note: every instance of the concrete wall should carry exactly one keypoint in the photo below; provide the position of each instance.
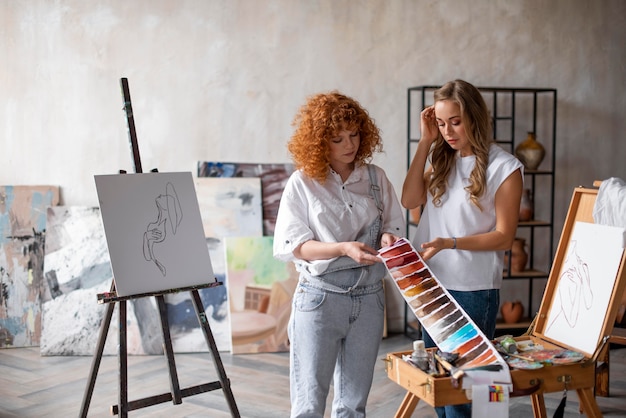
(221, 80)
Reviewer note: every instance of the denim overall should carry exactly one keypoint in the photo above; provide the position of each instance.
(335, 330)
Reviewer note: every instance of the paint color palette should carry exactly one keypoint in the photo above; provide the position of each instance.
(440, 315)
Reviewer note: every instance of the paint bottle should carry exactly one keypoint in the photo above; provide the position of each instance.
(419, 356)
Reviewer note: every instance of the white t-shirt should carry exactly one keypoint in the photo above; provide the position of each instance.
(459, 217)
(332, 212)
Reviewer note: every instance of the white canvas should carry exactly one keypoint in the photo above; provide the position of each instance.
(154, 232)
(585, 283)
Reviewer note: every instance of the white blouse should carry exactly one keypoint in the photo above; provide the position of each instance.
(332, 212)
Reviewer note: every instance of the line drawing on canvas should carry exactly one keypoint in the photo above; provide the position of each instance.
(169, 213)
(573, 289)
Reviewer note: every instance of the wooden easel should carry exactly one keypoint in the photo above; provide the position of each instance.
(176, 393)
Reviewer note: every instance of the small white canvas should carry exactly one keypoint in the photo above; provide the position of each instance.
(586, 281)
(154, 232)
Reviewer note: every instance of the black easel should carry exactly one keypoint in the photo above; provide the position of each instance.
(176, 393)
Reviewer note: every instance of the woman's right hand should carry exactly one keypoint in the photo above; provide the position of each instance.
(361, 253)
(415, 184)
(428, 126)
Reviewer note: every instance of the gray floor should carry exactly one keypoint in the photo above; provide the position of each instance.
(35, 386)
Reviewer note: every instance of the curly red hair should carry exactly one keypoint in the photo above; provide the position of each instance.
(321, 119)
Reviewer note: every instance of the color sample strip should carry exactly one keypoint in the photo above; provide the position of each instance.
(440, 315)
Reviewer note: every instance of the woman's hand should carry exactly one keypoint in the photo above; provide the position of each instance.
(388, 239)
(415, 184)
(433, 247)
(428, 126)
(361, 253)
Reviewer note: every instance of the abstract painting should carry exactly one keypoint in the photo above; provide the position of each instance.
(586, 281)
(77, 268)
(273, 179)
(22, 243)
(230, 207)
(445, 321)
(260, 293)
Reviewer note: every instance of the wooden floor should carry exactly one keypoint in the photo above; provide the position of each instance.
(35, 386)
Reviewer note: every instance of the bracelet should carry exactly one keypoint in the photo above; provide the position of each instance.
(453, 243)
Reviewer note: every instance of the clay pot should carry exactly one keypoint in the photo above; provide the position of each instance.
(519, 256)
(526, 207)
(512, 311)
(530, 152)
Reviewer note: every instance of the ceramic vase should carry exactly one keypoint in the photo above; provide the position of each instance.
(519, 256)
(530, 152)
(526, 206)
(512, 311)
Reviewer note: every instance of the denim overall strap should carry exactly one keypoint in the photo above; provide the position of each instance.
(371, 237)
(375, 189)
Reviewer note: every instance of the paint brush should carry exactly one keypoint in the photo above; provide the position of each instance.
(455, 372)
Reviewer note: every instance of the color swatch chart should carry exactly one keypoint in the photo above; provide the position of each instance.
(440, 315)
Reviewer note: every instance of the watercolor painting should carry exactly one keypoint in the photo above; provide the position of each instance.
(260, 293)
(77, 268)
(586, 281)
(22, 244)
(153, 231)
(228, 207)
(446, 322)
(273, 179)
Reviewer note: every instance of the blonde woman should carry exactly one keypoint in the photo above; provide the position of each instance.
(470, 193)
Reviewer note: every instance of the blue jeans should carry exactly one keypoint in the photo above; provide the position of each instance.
(482, 308)
(335, 337)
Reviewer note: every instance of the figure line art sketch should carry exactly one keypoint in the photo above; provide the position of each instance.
(169, 217)
(573, 290)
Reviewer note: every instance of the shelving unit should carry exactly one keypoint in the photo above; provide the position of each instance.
(515, 112)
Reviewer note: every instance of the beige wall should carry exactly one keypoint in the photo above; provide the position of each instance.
(221, 80)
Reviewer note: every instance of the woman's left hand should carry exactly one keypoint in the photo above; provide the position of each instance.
(433, 247)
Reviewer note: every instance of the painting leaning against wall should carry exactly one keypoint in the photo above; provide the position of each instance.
(260, 293)
(22, 243)
(273, 179)
(77, 268)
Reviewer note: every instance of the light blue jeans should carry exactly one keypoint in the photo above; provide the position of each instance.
(482, 307)
(335, 332)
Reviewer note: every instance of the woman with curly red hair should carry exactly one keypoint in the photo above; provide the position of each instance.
(335, 212)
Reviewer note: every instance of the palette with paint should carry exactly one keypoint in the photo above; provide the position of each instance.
(560, 362)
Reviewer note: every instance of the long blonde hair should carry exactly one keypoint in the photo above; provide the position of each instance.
(477, 123)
